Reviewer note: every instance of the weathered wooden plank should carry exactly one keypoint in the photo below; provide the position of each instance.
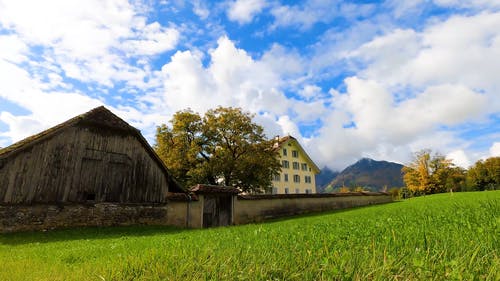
(58, 170)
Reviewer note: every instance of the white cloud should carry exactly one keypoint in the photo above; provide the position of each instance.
(454, 50)
(478, 4)
(310, 92)
(84, 28)
(233, 78)
(95, 42)
(243, 11)
(19, 126)
(388, 55)
(449, 52)
(382, 125)
(459, 158)
(153, 39)
(278, 56)
(47, 109)
(12, 48)
(495, 149)
(304, 15)
(87, 39)
(186, 83)
(401, 8)
(413, 90)
(288, 127)
(409, 88)
(200, 9)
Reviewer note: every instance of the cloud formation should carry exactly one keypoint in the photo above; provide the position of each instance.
(243, 11)
(349, 80)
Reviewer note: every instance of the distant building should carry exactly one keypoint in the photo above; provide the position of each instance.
(297, 168)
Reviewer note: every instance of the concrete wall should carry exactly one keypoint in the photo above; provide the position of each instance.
(14, 218)
(185, 214)
(258, 208)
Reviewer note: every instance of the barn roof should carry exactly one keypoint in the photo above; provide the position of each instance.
(101, 118)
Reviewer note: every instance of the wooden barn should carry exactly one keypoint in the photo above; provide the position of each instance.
(92, 158)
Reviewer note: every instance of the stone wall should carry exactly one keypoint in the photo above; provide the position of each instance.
(258, 208)
(15, 218)
(181, 211)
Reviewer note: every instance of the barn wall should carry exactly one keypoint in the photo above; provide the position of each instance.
(15, 218)
(83, 164)
(248, 209)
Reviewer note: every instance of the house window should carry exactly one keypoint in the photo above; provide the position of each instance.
(308, 191)
(284, 152)
(285, 176)
(307, 179)
(286, 190)
(295, 165)
(295, 154)
(277, 177)
(297, 190)
(275, 190)
(296, 178)
(285, 164)
(303, 166)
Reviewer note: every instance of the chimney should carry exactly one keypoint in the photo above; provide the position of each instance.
(276, 141)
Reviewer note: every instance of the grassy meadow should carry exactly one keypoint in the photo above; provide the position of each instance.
(439, 237)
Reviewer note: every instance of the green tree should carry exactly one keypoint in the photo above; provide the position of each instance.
(223, 147)
(485, 174)
(456, 179)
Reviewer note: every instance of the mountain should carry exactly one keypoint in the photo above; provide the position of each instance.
(324, 178)
(370, 174)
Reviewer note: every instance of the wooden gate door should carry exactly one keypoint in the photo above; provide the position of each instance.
(217, 210)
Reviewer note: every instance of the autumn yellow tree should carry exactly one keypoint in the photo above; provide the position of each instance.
(416, 175)
(429, 173)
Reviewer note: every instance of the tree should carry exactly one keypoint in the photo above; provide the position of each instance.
(416, 175)
(223, 147)
(456, 179)
(180, 146)
(344, 189)
(432, 174)
(485, 174)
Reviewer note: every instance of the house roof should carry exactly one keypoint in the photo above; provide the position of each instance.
(100, 118)
(280, 142)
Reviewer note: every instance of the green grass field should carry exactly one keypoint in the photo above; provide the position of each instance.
(439, 237)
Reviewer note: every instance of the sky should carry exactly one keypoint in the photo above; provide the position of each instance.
(348, 79)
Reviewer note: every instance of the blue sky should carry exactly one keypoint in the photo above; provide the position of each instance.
(349, 79)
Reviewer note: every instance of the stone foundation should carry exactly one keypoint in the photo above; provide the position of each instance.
(14, 218)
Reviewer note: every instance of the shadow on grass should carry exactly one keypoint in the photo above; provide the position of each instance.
(87, 233)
